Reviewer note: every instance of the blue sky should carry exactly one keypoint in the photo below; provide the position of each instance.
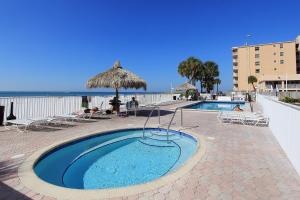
(57, 45)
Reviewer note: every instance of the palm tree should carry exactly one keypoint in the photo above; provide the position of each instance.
(191, 68)
(211, 71)
(251, 80)
(217, 82)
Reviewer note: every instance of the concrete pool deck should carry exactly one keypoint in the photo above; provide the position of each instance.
(240, 162)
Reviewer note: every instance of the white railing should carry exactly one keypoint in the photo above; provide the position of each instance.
(39, 107)
(285, 126)
(279, 86)
(293, 86)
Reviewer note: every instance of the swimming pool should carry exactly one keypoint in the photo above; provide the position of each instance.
(216, 105)
(116, 159)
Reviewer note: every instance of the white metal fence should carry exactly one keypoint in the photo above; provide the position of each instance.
(37, 107)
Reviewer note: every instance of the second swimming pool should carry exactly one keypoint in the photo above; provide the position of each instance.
(216, 105)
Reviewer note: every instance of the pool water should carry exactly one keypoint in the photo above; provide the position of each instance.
(214, 105)
(116, 159)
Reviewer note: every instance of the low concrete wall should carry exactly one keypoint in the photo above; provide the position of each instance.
(285, 125)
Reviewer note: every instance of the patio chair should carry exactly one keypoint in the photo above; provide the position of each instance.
(100, 111)
(131, 107)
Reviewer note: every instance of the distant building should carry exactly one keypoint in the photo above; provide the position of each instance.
(272, 64)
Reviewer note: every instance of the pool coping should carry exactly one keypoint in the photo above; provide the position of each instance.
(32, 181)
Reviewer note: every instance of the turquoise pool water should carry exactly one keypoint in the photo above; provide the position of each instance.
(215, 105)
(116, 159)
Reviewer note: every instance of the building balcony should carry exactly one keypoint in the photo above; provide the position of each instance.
(235, 67)
(234, 50)
(235, 81)
(235, 74)
(235, 87)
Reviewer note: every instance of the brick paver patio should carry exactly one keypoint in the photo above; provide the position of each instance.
(241, 162)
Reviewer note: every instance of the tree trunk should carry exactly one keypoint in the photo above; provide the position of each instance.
(201, 87)
(117, 97)
(117, 93)
(253, 87)
(193, 82)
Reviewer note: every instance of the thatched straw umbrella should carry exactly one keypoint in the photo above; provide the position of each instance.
(117, 78)
(185, 87)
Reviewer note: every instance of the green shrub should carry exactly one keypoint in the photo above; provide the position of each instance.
(289, 100)
(191, 93)
(85, 104)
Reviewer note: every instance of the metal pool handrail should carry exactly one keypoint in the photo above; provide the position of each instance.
(181, 122)
(155, 107)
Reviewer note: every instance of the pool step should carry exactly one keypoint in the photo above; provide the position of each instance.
(165, 138)
(162, 135)
(157, 143)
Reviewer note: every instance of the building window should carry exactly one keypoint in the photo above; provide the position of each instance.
(257, 71)
(234, 50)
(275, 68)
(274, 61)
(274, 45)
(281, 61)
(257, 63)
(256, 48)
(281, 45)
(274, 54)
(281, 53)
(256, 55)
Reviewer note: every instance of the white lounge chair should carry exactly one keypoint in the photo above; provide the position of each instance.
(231, 117)
(49, 120)
(18, 123)
(256, 120)
(74, 117)
(248, 118)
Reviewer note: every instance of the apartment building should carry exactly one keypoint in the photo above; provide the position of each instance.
(275, 65)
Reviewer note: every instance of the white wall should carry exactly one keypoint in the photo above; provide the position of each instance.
(285, 125)
(36, 107)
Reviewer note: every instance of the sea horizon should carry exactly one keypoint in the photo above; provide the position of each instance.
(67, 93)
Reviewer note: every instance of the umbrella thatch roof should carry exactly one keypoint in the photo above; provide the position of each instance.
(117, 77)
(186, 86)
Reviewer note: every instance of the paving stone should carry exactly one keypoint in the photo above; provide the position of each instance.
(241, 162)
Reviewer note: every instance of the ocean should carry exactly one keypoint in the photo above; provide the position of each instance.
(31, 94)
